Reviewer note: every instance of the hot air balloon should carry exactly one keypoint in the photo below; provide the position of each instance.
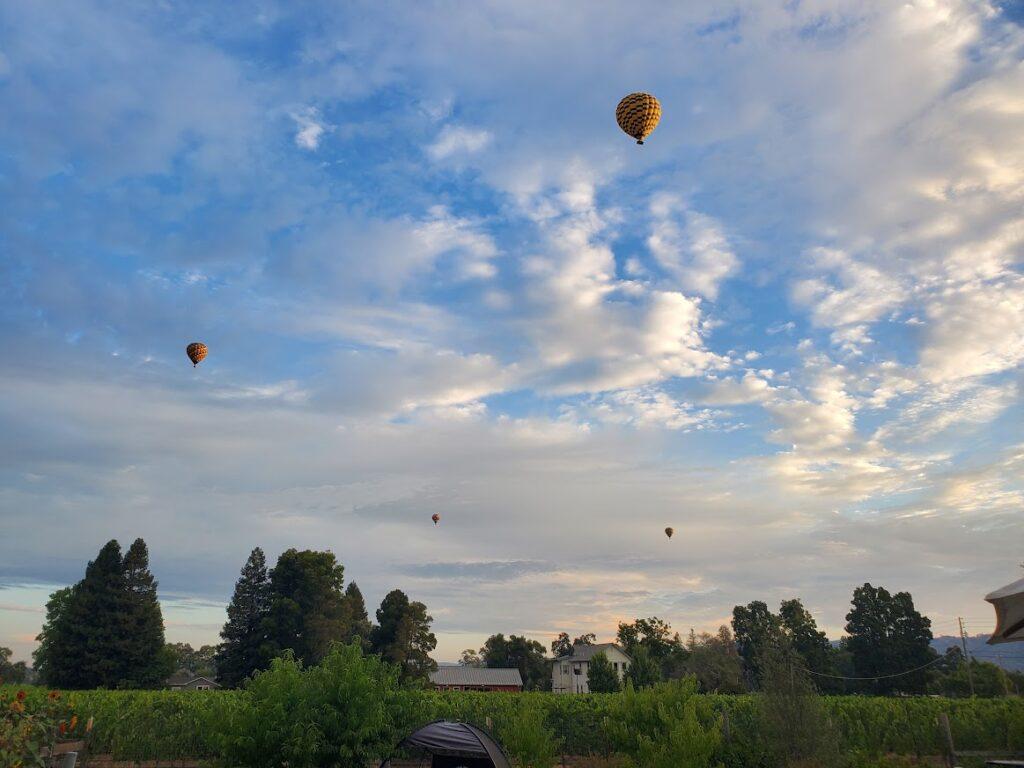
(638, 115)
(669, 532)
(436, 518)
(196, 351)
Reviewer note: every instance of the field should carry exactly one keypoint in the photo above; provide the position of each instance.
(180, 725)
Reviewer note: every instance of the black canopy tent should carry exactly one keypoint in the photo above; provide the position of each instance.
(454, 745)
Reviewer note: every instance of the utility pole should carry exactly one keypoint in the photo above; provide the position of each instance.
(963, 642)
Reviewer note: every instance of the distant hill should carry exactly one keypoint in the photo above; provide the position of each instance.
(1008, 656)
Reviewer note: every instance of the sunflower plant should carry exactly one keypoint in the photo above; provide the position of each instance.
(30, 726)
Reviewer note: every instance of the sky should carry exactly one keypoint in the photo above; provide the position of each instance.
(435, 277)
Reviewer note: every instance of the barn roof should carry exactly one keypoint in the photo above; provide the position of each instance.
(475, 676)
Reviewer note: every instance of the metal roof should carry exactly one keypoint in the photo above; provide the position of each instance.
(587, 652)
(475, 676)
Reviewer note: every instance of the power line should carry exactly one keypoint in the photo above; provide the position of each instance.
(875, 677)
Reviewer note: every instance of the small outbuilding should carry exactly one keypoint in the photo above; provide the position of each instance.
(452, 745)
(1009, 604)
(460, 678)
(186, 680)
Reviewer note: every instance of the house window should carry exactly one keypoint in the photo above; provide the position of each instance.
(565, 669)
(202, 687)
(615, 665)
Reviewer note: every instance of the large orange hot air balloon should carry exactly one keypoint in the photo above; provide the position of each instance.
(196, 351)
(436, 518)
(638, 115)
(669, 532)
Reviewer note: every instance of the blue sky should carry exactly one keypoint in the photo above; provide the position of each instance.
(435, 277)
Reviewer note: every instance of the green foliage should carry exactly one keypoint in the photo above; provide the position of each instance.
(528, 739)
(199, 662)
(241, 652)
(668, 726)
(758, 631)
(656, 636)
(308, 610)
(643, 671)
(359, 626)
(11, 672)
(403, 636)
(522, 653)
(339, 713)
(30, 725)
(107, 630)
(714, 662)
(886, 635)
(601, 677)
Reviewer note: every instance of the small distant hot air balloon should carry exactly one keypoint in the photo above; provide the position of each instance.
(436, 518)
(196, 351)
(638, 115)
(669, 532)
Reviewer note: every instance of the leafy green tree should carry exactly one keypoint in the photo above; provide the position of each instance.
(643, 671)
(147, 664)
(198, 662)
(561, 645)
(714, 661)
(601, 677)
(662, 644)
(886, 635)
(471, 658)
(360, 627)
(51, 635)
(757, 631)
(308, 610)
(11, 672)
(403, 637)
(522, 653)
(810, 643)
(243, 639)
(346, 711)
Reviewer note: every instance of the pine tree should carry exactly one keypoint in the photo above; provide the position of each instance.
(241, 652)
(146, 663)
(361, 627)
(45, 661)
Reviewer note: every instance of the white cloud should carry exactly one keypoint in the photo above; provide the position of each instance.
(310, 129)
(695, 251)
(459, 140)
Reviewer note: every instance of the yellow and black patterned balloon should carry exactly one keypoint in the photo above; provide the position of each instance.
(196, 351)
(638, 115)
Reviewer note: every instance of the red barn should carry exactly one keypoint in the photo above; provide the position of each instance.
(459, 678)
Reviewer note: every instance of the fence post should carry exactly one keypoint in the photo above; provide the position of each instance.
(948, 735)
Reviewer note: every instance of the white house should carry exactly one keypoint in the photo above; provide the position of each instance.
(569, 673)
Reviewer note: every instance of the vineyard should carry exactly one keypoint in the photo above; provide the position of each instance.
(168, 725)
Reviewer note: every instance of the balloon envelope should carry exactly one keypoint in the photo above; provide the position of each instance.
(196, 351)
(638, 115)
(436, 518)
(669, 532)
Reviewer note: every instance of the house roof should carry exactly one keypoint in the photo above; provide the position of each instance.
(587, 652)
(459, 675)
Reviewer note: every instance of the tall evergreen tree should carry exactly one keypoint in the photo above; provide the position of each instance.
(360, 627)
(146, 662)
(403, 637)
(601, 677)
(308, 609)
(887, 635)
(45, 662)
(88, 648)
(242, 651)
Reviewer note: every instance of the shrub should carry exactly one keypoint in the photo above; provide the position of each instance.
(341, 712)
(527, 739)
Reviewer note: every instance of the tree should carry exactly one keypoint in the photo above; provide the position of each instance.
(522, 653)
(11, 672)
(588, 639)
(561, 645)
(51, 636)
(886, 635)
(201, 662)
(601, 677)
(757, 631)
(471, 658)
(360, 626)
(403, 637)
(643, 671)
(147, 663)
(714, 661)
(663, 645)
(308, 610)
(812, 645)
(242, 651)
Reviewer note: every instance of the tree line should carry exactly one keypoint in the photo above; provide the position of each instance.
(107, 631)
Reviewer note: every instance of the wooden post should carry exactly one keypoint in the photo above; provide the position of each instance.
(948, 735)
